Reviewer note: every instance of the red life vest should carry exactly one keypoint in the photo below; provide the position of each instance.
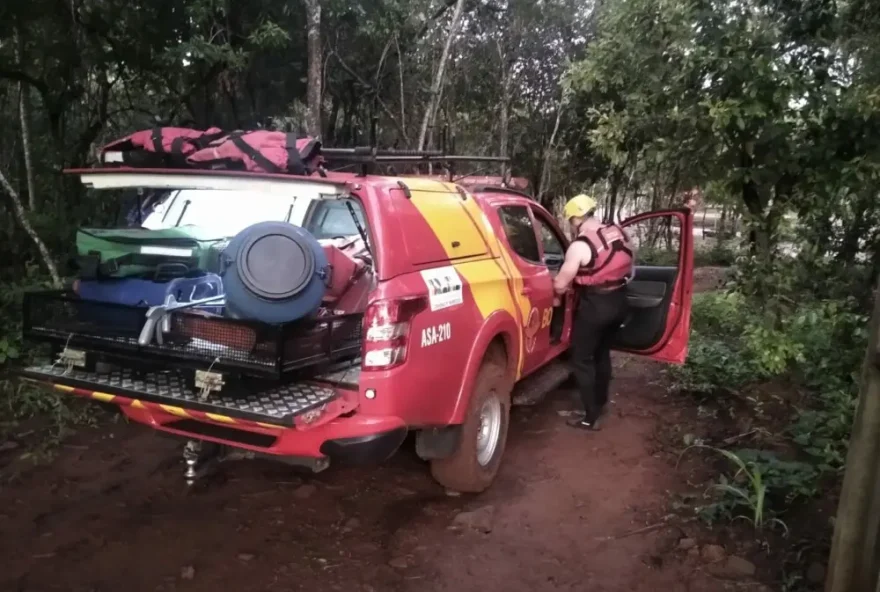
(612, 260)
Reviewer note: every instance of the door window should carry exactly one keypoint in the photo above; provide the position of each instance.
(659, 294)
(554, 251)
(520, 232)
(656, 241)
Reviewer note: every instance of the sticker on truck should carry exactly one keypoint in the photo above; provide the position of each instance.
(444, 287)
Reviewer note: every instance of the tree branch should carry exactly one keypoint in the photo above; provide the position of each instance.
(439, 78)
(366, 84)
(20, 76)
(22, 218)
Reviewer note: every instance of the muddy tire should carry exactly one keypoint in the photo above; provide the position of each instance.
(473, 466)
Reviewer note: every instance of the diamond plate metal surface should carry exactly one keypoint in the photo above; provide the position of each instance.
(285, 401)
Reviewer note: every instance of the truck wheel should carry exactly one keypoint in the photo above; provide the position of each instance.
(473, 466)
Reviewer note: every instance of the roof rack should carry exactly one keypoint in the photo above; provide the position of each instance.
(483, 187)
(365, 157)
(368, 156)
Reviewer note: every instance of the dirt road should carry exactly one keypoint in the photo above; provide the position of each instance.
(568, 512)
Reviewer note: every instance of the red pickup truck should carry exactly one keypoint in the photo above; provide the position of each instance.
(459, 325)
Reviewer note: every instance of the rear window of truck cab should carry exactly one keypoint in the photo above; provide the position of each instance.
(332, 218)
(217, 209)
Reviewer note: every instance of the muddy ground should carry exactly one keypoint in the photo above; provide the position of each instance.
(570, 511)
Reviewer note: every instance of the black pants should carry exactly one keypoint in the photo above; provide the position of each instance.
(597, 320)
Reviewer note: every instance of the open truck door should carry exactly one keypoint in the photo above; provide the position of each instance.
(661, 290)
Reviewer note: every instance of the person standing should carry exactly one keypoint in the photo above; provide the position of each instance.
(599, 262)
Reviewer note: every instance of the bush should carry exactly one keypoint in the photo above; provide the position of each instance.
(17, 400)
(731, 346)
(734, 342)
(716, 256)
(818, 345)
(833, 337)
(760, 487)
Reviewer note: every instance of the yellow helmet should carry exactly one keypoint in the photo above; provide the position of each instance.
(579, 205)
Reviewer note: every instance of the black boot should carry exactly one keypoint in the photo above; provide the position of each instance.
(583, 423)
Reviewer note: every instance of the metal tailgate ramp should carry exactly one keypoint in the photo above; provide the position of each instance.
(276, 405)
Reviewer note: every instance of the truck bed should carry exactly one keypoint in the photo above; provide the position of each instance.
(195, 340)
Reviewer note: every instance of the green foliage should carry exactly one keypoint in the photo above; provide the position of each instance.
(734, 343)
(715, 256)
(760, 488)
(833, 337)
(770, 108)
(731, 346)
(21, 401)
(816, 344)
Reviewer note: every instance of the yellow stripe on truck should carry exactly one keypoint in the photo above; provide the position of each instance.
(455, 220)
(449, 222)
(488, 284)
(178, 411)
(498, 249)
(220, 418)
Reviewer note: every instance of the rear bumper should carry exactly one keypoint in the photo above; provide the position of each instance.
(353, 440)
(360, 450)
(327, 427)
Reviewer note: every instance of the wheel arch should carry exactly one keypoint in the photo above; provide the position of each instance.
(500, 334)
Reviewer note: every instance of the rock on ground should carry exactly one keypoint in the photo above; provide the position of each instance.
(480, 519)
(712, 553)
(734, 568)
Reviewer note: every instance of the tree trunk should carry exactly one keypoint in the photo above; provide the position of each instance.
(759, 241)
(402, 95)
(849, 245)
(21, 216)
(504, 123)
(313, 26)
(721, 226)
(611, 203)
(330, 132)
(24, 109)
(437, 84)
(853, 563)
(548, 153)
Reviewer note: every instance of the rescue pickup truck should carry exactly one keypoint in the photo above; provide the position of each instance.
(459, 326)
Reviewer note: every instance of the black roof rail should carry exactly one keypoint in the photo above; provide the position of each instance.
(368, 154)
(498, 189)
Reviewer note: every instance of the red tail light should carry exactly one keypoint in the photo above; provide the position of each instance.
(386, 331)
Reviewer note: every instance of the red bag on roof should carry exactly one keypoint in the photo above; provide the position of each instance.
(261, 151)
(158, 146)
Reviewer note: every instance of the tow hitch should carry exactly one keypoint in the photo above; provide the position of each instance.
(203, 457)
(200, 458)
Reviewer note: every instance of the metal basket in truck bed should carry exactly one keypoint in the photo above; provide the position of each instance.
(195, 339)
